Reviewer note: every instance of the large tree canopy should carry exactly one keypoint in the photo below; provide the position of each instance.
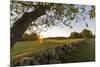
(38, 16)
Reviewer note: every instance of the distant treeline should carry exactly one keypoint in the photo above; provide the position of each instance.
(83, 34)
(59, 38)
(34, 36)
(29, 37)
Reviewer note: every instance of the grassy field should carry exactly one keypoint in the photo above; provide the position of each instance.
(26, 46)
(85, 52)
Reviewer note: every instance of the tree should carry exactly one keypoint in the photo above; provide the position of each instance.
(23, 23)
(75, 35)
(34, 36)
(26, 14)
(86, 33)
(29, 37)
(25, 37)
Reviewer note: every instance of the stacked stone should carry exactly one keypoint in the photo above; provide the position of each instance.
(48, 56)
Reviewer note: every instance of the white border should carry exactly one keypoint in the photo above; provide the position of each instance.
(85, 2)
(5, 33)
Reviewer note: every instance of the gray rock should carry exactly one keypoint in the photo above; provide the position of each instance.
(59, 50)
(51, 53)
(54, 61)
(25, 61)
(49, 56)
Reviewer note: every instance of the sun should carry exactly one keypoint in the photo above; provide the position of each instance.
(41, 39)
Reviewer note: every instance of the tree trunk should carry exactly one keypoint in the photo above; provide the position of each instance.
(23, 23)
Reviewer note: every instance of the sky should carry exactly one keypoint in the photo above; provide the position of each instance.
(56, 31)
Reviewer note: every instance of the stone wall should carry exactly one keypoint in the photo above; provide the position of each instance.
(49, 56)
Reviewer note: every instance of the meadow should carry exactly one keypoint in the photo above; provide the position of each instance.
(85, 52)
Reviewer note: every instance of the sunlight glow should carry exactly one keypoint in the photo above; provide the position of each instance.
(41, 39)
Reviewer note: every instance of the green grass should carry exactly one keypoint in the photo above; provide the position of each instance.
(28, 48)
(24, 46)
(84, 52)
